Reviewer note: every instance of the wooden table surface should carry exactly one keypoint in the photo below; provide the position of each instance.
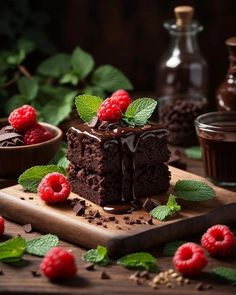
(19, 280)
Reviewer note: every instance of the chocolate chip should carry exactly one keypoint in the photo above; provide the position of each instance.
(89, 266)
(31, 198)
(150, 221)
(22, 198)
(104, 225)
(104, 275)
(79, 209)
(27, 228)
(35, 273)
(150, 204)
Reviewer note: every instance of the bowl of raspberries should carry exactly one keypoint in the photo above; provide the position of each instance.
(25, 142)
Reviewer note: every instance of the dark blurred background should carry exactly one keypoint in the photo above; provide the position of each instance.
(128, 34)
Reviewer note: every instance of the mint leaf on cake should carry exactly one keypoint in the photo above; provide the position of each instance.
(139, 111)
(162, 212)
(193, 190)
(87, 106)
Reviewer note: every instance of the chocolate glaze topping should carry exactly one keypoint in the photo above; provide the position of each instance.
(127, 138)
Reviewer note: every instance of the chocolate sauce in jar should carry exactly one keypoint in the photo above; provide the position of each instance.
(219, 151)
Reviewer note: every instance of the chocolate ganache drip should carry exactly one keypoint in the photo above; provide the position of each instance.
(127, 138)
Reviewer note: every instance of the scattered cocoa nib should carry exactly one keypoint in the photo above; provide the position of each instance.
(27, 228)
(150, 204)
(99, 223)
(31, 198)
(104, 275)
(1, 272)
(126, 217)
(200, 287)
(138, 221)
(22, 198)
(96, 214)
(89, 266)
(118, 227)
(150, 221)
(35, 273)
(79, 209)
(112, 218)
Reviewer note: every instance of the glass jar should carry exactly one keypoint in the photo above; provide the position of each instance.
(226, 93)
(182, 79)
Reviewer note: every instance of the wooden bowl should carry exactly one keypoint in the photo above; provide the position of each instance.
(15, 160)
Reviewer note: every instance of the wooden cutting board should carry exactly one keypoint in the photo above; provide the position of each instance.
(119, 236)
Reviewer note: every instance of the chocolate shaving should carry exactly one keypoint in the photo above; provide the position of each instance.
(89, 266)
(79, 209)
(27, 228)
(150, 204)
(35, 273)
(105, 276)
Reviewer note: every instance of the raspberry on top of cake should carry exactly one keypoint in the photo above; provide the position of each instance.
(117, 156)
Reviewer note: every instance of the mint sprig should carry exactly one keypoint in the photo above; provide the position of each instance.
(139, 111)
(87, 106)
(193, 152)
(164, 211)
(225, 273)
(12, 250)
(41, 245)
(139, 261)
(31, 178)
(193, 190)
(171, 247)
(97, 256)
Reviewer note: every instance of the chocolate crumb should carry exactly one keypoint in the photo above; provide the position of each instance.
(116, 221)
(150, 221)
(96, 214)
(104, 225)
(138, 221)
(27, 228)
(126, 217)
(144, 274)
(140, 217)
(22, 198)
(31, 198)
(208, 286)
(200, 287)
(99, 223)
(89, 266)
(118, 227)
(1, 272)
(89, 220)
(104, 275)
(112, 218)
(82, 203)
(35, 273)
(79, 209)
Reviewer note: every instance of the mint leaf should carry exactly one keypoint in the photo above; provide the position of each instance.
(55, 66)
(31, 178)
(87, 106)
(164, 211)
(63, 162)
(28, 88)
(16, 59)
(25, 45)
(82, 62)
(170, 248)
(193, 152)
(225, 273)
(110, 79)
(54, 112)
(41, 245)
(71, 78)
(94, 90)
(140, 261)
(12, 250)
(139, 111)
(98, 256)
(193, 190)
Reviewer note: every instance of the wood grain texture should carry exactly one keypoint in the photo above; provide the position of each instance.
(19, 280)
(120, 238)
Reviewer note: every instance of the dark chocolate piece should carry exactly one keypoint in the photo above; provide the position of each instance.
(150, 204)
(105, 275)
(89, 266)
(79, 209)
(35, 273)
(1, 272)
(8, 137)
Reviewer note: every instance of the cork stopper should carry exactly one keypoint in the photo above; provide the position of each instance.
(184, 15)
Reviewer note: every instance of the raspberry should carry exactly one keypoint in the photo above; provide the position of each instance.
(218, 240)
(2, 225)
(122, 98)
(58, 263)
(54, 188)
(36, 134)
(189, 259)
(23, 118)
(109, 111)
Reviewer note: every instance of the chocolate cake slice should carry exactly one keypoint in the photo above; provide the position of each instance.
(122, 164)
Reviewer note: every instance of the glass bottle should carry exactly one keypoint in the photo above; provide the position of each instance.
(182, 79)
(226, 93)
